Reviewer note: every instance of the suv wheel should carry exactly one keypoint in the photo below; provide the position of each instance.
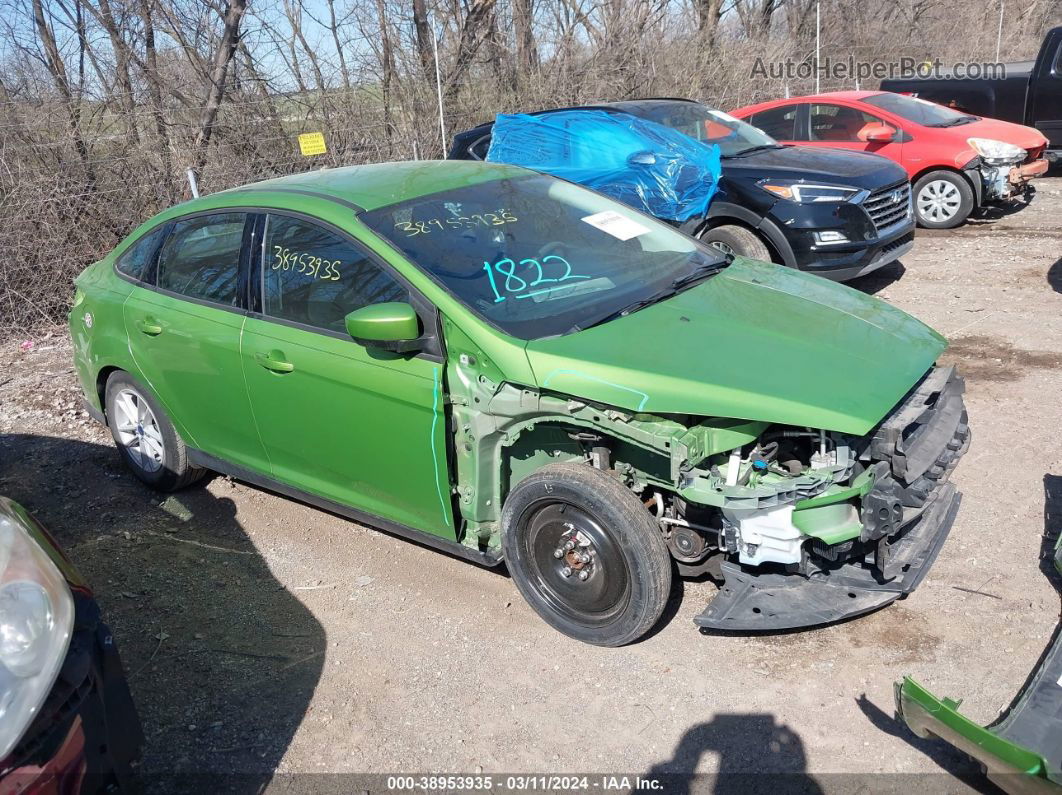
(146, 439)
(586, 554)
(942, 200)
(736, 240)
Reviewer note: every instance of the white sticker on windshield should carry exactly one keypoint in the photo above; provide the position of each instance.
(619, 226)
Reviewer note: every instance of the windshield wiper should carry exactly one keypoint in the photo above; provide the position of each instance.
(696, 276)
(752, 149)
(955, 122)
(701, 272)
(641, 303)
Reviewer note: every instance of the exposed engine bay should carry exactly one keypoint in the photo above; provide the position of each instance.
(768, 510)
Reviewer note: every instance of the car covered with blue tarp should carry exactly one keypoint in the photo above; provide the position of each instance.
(644, 164)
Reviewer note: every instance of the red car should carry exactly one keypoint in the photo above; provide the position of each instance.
(956, 161)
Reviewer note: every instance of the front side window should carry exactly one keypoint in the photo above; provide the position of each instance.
(841, 123)
(536, 256)
(139, 258)
(777, 122)
(315, 277)
(201, 257)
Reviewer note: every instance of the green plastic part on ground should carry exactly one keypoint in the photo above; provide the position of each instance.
(1022, 751)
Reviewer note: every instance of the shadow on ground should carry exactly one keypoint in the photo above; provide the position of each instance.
(878, 280)
(989, 213)
(756, 754)
(221, 658)
(1054, 276)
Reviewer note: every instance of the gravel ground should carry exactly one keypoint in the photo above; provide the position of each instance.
(263, 636)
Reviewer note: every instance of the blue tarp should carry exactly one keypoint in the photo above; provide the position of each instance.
(649, 166)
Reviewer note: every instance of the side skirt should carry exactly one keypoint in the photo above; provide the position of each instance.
(207, 461)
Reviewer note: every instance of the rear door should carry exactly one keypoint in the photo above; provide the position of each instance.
(356, 425)
(184, 329)
(781, 122)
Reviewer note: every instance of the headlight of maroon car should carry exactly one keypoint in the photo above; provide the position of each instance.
(36, 620)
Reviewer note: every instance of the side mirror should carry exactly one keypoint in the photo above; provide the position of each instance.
(391, 326)
(645, 158)
(879, 134)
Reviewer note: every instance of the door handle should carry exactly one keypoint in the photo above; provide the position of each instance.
(274, 360)
(149, 326)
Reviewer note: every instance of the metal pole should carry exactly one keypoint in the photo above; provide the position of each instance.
(438, 91)
(818, 32)
(999, 34)
(192, 183)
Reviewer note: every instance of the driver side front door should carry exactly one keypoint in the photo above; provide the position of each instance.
(356, 425)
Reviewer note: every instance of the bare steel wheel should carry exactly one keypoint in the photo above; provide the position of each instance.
(585, 554)
(145, 437)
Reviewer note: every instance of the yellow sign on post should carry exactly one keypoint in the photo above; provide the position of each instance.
(312, 144)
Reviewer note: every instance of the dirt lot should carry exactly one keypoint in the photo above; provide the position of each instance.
(262, 635)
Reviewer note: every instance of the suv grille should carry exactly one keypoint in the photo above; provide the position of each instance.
(888, 206)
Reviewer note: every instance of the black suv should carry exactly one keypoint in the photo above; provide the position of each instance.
(838, 214)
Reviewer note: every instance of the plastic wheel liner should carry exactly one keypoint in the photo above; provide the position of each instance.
(914, 451)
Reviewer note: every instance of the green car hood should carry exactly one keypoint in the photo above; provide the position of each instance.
(757, 342)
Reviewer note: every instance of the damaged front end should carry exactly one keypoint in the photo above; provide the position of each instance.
(803, 526)
(1001, 174)
(866, 539)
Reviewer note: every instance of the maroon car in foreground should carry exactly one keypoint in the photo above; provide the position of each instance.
(67, 720)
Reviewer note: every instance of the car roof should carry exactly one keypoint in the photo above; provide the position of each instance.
(369, 187)
(631, 106)
(853, 96)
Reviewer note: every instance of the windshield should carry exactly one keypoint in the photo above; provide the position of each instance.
(733, 136)
(536, 256)
(920, 111)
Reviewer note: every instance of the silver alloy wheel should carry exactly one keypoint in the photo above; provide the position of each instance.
(938, 201)
(138, 430)
(720, 246)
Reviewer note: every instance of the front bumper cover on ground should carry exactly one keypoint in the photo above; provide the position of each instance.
(1022, 751)
(770, 602)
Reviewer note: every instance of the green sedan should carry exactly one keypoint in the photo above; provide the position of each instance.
(508, 366)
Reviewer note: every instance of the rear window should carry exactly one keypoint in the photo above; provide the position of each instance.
(777, 122)
(201, 257)
(138, 259)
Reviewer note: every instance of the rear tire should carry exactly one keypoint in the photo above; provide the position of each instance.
(737, 240)
(586, 554)
(942, 200)
(146, 439)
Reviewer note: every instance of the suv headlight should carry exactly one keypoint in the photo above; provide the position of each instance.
(36, 620)
(993, 150)
(807, 193)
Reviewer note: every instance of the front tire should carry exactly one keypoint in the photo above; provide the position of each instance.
(146, 439)
(586, 554)
(736, 240)
(942, 200)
